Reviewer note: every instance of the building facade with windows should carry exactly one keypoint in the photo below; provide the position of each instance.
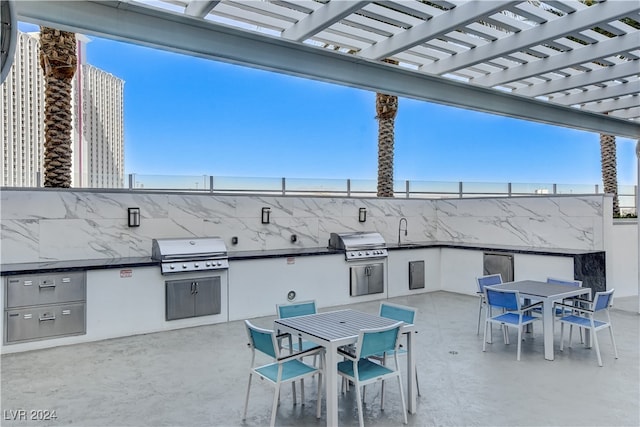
(98, 121)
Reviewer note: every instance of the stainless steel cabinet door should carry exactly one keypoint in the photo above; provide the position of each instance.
(180, 299)
(366, 279)
(207, 296)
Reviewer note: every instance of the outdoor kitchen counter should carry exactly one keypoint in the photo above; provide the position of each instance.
(131, 262)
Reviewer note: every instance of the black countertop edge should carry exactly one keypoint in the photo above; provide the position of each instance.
(102, 264)
(494, 248)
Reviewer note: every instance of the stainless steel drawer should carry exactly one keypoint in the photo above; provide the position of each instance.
(37, 289)
(45, 322)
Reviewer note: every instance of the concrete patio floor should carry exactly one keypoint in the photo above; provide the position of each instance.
(198, 377)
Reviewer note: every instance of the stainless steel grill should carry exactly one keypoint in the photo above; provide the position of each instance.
(359, 245)
(190, 254)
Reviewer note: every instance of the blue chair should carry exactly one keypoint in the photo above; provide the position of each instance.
(360, 370)
(285, 342)
(482, 281)
(284, 369)
(512, 314)
(404, 314)
(584, 316)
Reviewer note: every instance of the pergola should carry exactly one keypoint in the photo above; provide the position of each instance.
(557, 62)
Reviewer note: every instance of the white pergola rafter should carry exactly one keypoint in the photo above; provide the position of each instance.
(627, 69)
(322, 19)
(613, 91)
(561, 60)
(200, 8)
(433, 28)
(575, 22)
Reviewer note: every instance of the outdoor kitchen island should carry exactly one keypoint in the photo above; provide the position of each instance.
(128, 296)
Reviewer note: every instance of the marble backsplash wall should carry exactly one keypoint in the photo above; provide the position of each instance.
(56, 224)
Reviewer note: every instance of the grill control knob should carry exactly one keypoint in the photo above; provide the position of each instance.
(368, 253)
(172, 267)
(360, 253)
(184, 265)
(196, 265)
(208, 264)
(218, 263)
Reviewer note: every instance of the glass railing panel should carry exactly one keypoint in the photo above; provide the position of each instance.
(319, 187)
(485, 188)
(246, 184)
(576, 189)
(523, 188)
(170, 182)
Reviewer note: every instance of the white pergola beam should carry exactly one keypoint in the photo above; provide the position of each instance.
(577, 21)
(154, 28)
(433, 28)
(582, 79)
(562, 60)
(200, 8)
(321, 19)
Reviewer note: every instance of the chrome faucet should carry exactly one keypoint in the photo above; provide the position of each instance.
(400, 228)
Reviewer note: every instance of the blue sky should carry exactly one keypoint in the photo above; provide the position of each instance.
(191, 116)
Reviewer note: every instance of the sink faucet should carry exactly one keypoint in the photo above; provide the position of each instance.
(400, 228)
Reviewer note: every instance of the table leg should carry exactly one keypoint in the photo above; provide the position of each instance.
(331, 377)
(547, 325)
(411, 375)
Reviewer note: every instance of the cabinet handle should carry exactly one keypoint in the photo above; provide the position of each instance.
(45, 317)
(47, 285)
(196, 287)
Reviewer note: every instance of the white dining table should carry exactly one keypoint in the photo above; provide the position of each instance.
(335, 329)
(548, 293)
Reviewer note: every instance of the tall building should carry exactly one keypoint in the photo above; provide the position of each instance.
(98, 121)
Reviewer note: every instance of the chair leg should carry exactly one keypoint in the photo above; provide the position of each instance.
(404, 406)
(484, 339)
(359, 401)
(595, 343)
(417, 383)
(519, 342)
(561, 336)
(479, 315)
(274, 408)
(246, 400)
(613, 341)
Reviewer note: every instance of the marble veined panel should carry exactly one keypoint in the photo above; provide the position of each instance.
(538, 206)
(200, 206)
(520, 231)
(251, 206)
(314, 207)
(41, 204)
(19, 241)
(82, 239)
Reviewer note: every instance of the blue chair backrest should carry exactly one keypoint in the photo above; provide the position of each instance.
(602, 300)
(298, 309)
(261, 339)
(491, 279)
(577, 283)
(376, 341)
(504, 299)
(397, 312)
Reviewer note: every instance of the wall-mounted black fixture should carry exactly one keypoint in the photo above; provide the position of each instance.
(234, 240)
(291, 295)
(266, 214)
(294, 238)
(362, 214)
(133, 217)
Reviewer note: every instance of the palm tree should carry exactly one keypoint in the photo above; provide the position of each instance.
(386, 110)
(609, 169)
(58, 61)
